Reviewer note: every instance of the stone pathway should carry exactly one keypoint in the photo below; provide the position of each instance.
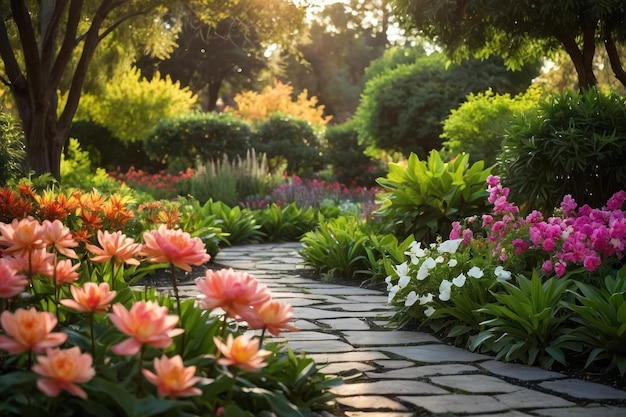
(393, 373)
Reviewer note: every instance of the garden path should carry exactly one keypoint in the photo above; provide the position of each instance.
(395, 373)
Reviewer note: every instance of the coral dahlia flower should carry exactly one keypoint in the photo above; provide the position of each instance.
(29, 330)
(273, 316)
(236, 292)
(21, 236)
(174, 246)
(58, 235)
(62, 369)
(145, 322)
(115, 246)
(11, 282)
(172, 378)
(241, 352)
(91, 298)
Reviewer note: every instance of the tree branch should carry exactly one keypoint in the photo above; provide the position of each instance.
(65, 53)
(22, 19)
(119, 22)
(49, 35)
(11, 66)
(614, 58)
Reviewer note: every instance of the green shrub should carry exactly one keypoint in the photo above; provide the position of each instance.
(238, 225)
(285, 223)
(575, 143)
(11, 149)
(478, 125)
(292, 141)
(425, 197)
(199, 137)
(350, 164)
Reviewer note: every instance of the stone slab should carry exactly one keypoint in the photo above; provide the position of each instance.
(457, 403)
(371, 402)
(589, 411)
(584, 390)
(395, 364)
(349, 323)
(345, 367)
(526, 398)
(474, 384)
(422, 371)
(390, 387)
(519, 371)
(321, 346)
(388, 338)
(355, 356)
(436, 353)
(376, 414)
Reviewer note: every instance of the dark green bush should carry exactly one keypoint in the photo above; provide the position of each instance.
(11, 148)
(350, 164)
(574, 144)
(184, 140)
(285, 223)
(286, 139)
(108, 152)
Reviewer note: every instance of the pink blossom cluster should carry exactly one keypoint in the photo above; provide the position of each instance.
(580, 236)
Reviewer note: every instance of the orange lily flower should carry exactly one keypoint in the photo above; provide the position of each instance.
(145, 322)
(236, 292)
(172, 378)
(11, 282)
(62, 369)
(29, 330)
(273, 316)
(241, 352)
(65, 272)
(174, 246)
(115, 246)
(91, 298)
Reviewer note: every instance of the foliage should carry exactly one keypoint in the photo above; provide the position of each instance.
(424, 197)
(528, 321)
(131, 106)
(350, 164)
(237, 225)
(402, 109)
(285, 223)
(183, 140)
(277, 99)
(573, 144)
(11, 149)
(599, 315)
(285, 139)
(337, 247)
(478, 126)
(522, 31)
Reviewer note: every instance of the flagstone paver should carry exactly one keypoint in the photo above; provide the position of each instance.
(394, 373)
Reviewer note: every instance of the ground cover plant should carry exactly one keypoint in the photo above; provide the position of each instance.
(529, 288)
(75, 334)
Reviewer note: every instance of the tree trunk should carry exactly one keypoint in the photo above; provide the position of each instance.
(614, 59)
(213, 94)
(582, 59)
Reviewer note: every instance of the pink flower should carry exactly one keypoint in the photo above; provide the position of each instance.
(11, 282)
(57, 235)
(21, 236)
(36, 262)
(146, 322)
(91, 298)
(592, 262)
(547, 266)
(172, 378)
(234, 291)
(175, 246)
(273, 316)
(115, 246)
(62, 369)
(559, 268)
(29, 330)
(241, 352)
(66, 272)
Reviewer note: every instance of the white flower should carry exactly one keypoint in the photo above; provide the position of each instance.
(422, 273)
(439, 259)
(475, 272)
(444, 290)
(449, 246)
(459, 281)
(433, 245)
(392, 293)
(404, 281)
(415, 252)
(425, 299)
(402, 269)
(429, 311)
(501, 274)
(452, 263)
(388, 281)
(411, 299)
(429, 263)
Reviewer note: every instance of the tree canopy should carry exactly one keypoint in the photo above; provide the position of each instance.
(519, 30)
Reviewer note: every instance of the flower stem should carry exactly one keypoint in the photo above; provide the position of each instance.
(178, 309)
(262, 336)
(93, 338)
